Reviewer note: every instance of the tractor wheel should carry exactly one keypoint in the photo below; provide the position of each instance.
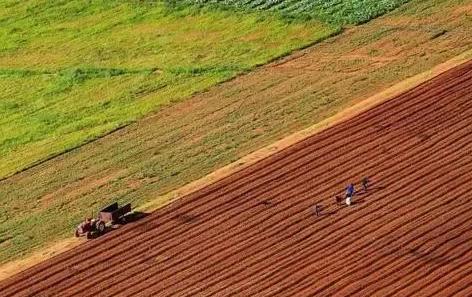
(100, 227)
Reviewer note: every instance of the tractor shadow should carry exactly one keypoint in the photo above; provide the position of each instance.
(135, 216)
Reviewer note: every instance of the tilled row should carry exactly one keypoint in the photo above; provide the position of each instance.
(125, 275)
(299, 250)
(162, 271)
(282, 225)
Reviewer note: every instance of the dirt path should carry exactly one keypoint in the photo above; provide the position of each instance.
(14, 267)
(254, 232)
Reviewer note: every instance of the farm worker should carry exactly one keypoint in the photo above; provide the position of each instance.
(85, 224)
(349, 193)
(350, 190)
(365, 183)
(317, 209)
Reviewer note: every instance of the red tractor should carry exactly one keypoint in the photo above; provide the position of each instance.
(111, 214)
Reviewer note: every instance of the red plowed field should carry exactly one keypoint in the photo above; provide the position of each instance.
(255, 234)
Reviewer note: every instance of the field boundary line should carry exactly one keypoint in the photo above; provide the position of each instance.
(296, 137)
(10, 268)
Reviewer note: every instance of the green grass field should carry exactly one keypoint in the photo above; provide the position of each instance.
(71, 71)
(58, 94)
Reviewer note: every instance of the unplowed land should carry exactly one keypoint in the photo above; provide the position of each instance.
(255, 234)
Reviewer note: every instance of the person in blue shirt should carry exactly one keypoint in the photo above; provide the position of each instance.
(350, 190)
(349, 193)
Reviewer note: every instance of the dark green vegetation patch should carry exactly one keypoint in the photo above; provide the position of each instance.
(331, 11)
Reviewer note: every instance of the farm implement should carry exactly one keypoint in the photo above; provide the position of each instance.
(110, 215)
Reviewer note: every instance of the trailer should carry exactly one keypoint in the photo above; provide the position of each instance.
(112, 214)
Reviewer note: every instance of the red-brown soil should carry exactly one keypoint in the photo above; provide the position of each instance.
(254, 233)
